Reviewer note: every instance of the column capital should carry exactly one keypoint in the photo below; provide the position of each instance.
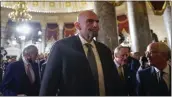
(61, 24)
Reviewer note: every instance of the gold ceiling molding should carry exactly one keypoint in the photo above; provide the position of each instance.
(116, 3)
(35, 3)
(54, 6)
(68, 4)
(158, 7)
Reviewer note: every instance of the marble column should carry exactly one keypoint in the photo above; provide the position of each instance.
(3, 40)
(167, 16)
(171, 7)
(138, 25)
(43, 43)
(43, 40)
(61, 24)
(3, 35)
(107, 23)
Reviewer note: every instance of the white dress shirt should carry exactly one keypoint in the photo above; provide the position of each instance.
(98, 62)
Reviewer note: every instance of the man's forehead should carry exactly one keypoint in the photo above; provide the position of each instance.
(123, 50)
(152, 47)
(88, 15)
(91, 16)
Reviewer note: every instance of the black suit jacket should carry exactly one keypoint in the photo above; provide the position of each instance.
(68, 71)
(147, 83)
(16, 81)
(43, 68)
(128, 86)
(133, 64)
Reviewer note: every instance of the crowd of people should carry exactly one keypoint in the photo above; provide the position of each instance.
(81, 66)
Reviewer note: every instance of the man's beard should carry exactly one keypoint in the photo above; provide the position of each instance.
(92, 33)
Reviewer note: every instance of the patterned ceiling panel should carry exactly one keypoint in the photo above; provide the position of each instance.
(53, 7)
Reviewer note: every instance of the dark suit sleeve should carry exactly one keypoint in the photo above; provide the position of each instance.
(140, 87)
(7, 86)
(52, 74)
(42, 69)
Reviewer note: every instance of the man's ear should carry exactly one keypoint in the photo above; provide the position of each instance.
(166, 56)
(77, 25)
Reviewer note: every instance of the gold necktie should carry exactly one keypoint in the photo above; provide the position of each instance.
(120, 72)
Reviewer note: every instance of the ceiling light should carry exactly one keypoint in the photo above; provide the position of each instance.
(22, 37)
(14, 42)
(20, 12)
(23, 29)
(39, 32)
(39, 39)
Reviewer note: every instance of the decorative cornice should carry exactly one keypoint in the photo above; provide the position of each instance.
(116, 3)
(158, 11)
(52, 9)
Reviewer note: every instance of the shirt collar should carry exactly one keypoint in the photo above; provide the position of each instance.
(156, 69)
(165, 70)
(116, 63)
(83, 41)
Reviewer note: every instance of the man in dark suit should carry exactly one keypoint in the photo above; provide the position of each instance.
(125, 72)
(42, 69)
(22, 77)
(155, 80)
(80, 66)
(133, 63)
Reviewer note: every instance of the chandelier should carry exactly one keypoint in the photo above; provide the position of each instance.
(20, 13)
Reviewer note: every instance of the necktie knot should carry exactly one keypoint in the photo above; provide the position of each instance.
(120, 66)
(88, 45)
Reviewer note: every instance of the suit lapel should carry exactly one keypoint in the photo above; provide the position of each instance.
(126, 68)
(36, 71)
(154, 81)
(154, 74)
(78, 45)
(24, 77)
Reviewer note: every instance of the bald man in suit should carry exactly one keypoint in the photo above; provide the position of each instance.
(156, 79)
(79, 65)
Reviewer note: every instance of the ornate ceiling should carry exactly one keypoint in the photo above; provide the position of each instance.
(53, 7)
